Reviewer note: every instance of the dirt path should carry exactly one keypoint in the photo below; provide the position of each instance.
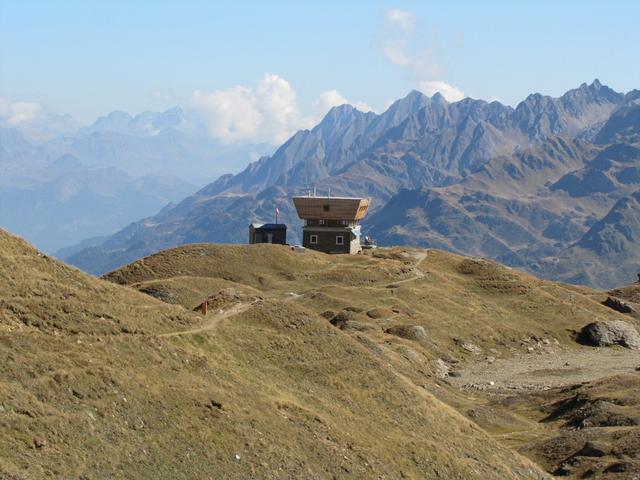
(421, 257)
(530, 372)
(289, 296)
(212, 321)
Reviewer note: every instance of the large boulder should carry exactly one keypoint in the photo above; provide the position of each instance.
(613, 332)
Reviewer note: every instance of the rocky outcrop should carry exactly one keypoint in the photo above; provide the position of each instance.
(416, 333)
(618, 305)
(614, 332)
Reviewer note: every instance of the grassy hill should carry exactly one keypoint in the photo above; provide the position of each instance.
(496, 344)
(102, 381)
(454, 299)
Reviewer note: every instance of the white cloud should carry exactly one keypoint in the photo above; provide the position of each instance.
(363, 106)
(449, 92)
(333, 98)
(268, 112)
(400, 47)
(16, 113)
(327, 100)
(401, 19)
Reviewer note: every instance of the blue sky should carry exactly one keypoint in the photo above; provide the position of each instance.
(88, 58)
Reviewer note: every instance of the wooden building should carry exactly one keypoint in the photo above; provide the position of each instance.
(268, 233)
(331, 224)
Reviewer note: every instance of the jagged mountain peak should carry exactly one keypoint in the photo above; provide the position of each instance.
(147, 123)
(438, 98)
(344, 112)
(596, 93)
(414, 100)
(116, 115)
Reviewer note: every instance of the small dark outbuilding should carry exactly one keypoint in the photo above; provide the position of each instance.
(268, 233)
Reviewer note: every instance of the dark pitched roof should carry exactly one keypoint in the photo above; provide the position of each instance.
(270, 226)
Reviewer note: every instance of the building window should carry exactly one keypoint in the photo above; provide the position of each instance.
(326, 208)
(340, 240)
(344, 222)
(321, 222)
(313, 239)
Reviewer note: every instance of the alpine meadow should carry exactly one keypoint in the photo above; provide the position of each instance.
(319, 240)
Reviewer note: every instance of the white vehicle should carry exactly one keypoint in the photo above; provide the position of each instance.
(298, 248)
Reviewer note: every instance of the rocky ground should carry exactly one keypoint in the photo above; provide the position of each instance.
(576, 412)
(546, 369)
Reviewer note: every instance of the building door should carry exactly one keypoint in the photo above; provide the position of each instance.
(269, 237)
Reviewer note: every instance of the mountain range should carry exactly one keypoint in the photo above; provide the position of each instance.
(533, 186)
(61, 182)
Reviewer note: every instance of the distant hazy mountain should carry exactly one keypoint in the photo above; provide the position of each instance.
(60, 184)
(42, 128)
(80, 202)
(522, 185)
(169, 143)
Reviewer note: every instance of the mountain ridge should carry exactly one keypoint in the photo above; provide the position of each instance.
(478, 155)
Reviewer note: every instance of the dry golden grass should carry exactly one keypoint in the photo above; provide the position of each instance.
(469, 309)
(454, 298)
(90, 389)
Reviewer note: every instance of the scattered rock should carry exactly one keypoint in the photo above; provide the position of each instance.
(377, 313)
(613, 332)
(410, 354)
(469, 347)
(618, 305)
(618, 467)
(411, 332)
(341, 319)
(214, 404)
(158, 293)
(353, 309)
(227, 296)
(328, 314)
(563, 470)
(359, 326)
(39, 442)
(441, 368)
(447, 357)
(581, 411)
(593, 449)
